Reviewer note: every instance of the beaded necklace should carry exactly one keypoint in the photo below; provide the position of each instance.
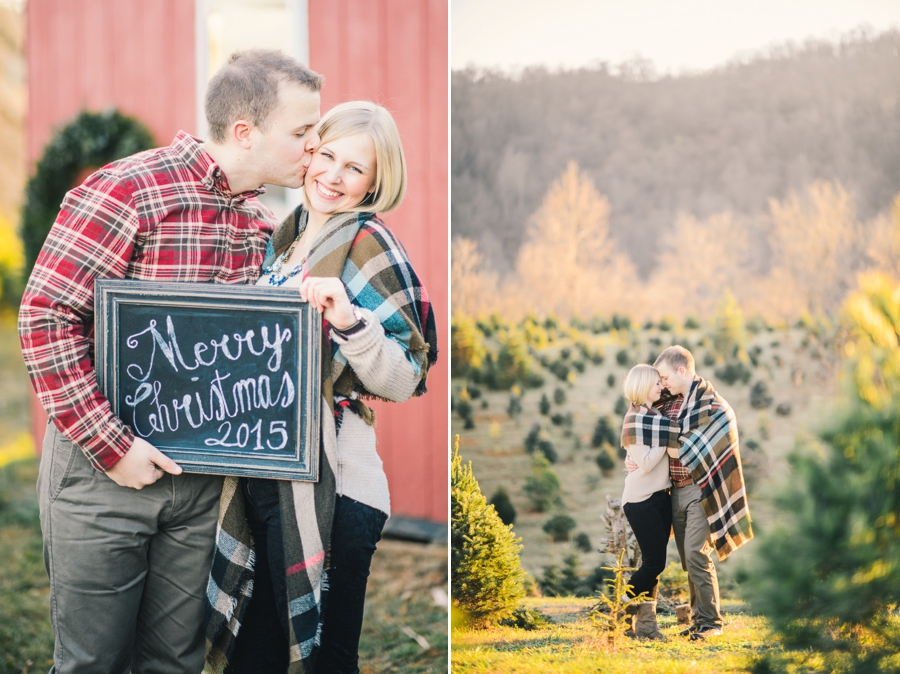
(276, 278)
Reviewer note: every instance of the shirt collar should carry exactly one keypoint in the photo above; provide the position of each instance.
(202, 165)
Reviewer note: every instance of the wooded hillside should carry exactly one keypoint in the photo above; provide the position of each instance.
(725, 141)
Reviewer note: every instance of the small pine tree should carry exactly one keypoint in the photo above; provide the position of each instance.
(559, 527)
(503, 505)
(514, 409)
(583, 542)
(622, 357)
(559, 396)
(603, 433)
(486, 576)
(467, 348)
(532, 439)
(760, 398)
(542, 487)
(610, 380)
(544, 405)
(826, 574)
(605, 461)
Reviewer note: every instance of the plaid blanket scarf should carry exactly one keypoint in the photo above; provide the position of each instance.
(648, 427)
(358, 248)
(710, 451)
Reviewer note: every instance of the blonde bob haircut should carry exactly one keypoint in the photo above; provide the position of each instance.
(353, 117)
(638, 383)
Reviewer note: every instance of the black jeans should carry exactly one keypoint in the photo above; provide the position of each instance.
(262, 645)
(651, 521)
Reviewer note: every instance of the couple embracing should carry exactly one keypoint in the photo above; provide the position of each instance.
(685, 474)
(150, 569)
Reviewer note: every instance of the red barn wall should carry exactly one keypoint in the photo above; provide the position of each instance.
(139, 56)
(91, 54)
(394, 52)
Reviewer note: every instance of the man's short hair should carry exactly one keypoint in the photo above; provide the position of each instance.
(247, 88)
(675, 357)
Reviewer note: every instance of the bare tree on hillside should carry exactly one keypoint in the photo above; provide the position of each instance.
(567, 265)
(816, 245)
(698, 261)
(473, 290)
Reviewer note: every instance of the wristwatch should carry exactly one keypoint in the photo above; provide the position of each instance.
(352, 329)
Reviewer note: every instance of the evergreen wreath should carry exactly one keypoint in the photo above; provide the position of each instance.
(90, 141)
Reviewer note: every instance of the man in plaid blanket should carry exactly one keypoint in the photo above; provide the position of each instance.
(709, 498)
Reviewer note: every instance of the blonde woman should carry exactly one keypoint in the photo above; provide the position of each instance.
(646, 436)
(296, 539)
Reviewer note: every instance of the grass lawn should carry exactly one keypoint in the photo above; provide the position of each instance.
(574, 644)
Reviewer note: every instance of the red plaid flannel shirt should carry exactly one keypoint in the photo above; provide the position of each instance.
(163, 215)
(671, 408)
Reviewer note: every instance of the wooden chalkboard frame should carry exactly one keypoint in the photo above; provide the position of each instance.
(301, 461)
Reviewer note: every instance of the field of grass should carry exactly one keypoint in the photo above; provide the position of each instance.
(574, 644)
(405, 628)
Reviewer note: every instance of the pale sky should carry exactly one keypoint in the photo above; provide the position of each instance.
(676, 35)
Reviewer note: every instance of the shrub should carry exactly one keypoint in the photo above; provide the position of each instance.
(561, 369)
(526, 619)
(545, 447)
(621, 322)
(692, 323)
(514, 408)
(514, 362)
(734, 372)
(621, 407)
(467, 350)
(486, 576)
(610, 380)
(531, 440)
(464, 410)
(544, 405)
(583, 542)
(783, 409)
(760, 398)
(605, 461)
(559, 527)
(622, 357)
(604, 433)
(503, 505)
(559, 396)
(666, 323)
(542, 486)
(565, 583)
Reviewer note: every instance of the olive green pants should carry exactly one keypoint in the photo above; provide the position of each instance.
(692, 540)
(128, 569)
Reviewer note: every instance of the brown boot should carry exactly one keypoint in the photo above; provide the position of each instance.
(645, 626)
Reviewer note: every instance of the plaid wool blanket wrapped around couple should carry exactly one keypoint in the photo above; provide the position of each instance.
(374, 266)
(710, 451)
(648, 427)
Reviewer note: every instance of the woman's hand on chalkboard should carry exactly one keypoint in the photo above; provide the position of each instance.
(141, 466)
(328, 296)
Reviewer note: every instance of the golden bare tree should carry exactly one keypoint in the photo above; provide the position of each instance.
(473, 289)
(568, 265)
(698, 261)
(816, 243)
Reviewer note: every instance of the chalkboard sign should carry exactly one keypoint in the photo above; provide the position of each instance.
(223, 379)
